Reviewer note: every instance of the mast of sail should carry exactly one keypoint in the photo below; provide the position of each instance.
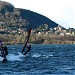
(26, 40)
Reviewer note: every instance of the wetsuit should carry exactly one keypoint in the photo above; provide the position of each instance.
(4, 52)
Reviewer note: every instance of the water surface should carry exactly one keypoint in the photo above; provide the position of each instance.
(42, 60)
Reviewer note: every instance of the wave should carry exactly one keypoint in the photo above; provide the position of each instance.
(1, 58)
(37, 55)
(14, 57)
(20, 56)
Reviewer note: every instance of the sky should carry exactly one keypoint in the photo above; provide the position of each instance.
(59, 11)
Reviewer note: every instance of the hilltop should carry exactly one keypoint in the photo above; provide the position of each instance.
(14, 22)
(15, 18)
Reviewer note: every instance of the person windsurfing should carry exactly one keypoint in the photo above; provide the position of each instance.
(26, 41)
(0, 45)
(28, 49)
(4, 51)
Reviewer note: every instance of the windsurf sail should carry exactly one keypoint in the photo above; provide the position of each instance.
(26, 40)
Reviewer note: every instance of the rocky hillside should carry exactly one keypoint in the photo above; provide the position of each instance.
(14, 18)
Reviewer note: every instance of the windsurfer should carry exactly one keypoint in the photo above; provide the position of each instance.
(28, 47)
(28, 50)
(4, 51)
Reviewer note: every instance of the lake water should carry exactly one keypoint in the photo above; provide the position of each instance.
(42, 60)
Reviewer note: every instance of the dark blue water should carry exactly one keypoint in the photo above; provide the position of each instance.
(42, 60)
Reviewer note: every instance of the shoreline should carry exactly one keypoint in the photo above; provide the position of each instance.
(35, 39)
(64, 42)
